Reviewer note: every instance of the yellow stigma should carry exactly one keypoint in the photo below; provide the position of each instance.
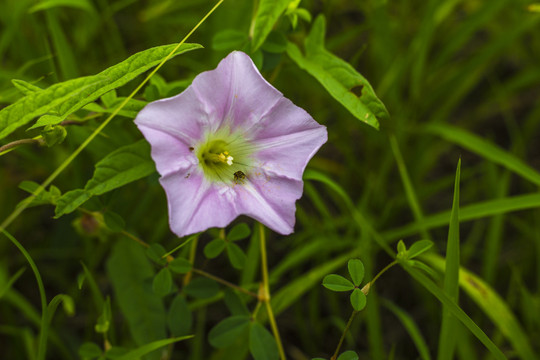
(226, 158)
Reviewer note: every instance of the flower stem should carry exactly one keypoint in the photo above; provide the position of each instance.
(266, 292)
(192, 253)
(351, 318)
(14, 144)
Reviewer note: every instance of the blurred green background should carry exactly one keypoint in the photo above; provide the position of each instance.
(460, 78)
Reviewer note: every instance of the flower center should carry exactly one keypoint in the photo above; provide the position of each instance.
(223, 156)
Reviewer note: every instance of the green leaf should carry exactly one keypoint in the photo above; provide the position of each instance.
(402, 252)
(162, 283)
(228, 330)
(267, 14)
(288, 294)
(122, 166)
(239, 232)
(262, 344)
(202, 288)
(49, 4)
(358, 299)
(67, 97)
(179, 317)
(115, 352)
(348, 355)
(180, 265)
(236, 256)
(338, 77)
(337, 283)
(419, 247)
(214, 248)
(356, 270)
(25, 87)
(89, 350)
(5, 287)
(148, 348)
(104, 320)
(129, 269)
(493, 306)
(114, 221)
(155, 253)
(485, 149)
(50, 196)
(235, 304)
(447, 341)
(470, 212)
(454, 309)
(229, 39)
(414, 332)
(275, 43)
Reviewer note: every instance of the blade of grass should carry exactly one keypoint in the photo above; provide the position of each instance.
(447, 342)
(454, 309)
(492, 305)
(407, 184)
(485, 149)
(412, 329)
(43, 297)
(467, 213)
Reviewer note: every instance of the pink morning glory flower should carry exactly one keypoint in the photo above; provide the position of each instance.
(230, 145)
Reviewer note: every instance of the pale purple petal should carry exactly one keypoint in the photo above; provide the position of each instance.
(182, 116)
(286, 139)
(168, 152)
(271, 201)
(236, 94)
(196, 204)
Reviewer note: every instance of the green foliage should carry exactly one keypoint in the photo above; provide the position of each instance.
(338, 283)
(228, 330)
(122, 166)
(461, 81)
(65, 98)
(129, 271)
(338, 77)
(267, 14)
(261, 343)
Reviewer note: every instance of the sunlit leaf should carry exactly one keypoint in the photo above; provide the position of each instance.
(356, 270)
(267, 14)
(120, 167)
(338, 77)
(67, 97)
(337, 283)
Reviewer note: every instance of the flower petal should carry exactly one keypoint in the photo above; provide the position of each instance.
(286, 139)
(182, 116)
(235, 93)
(168, 152)
(196, 204)
(271, 202)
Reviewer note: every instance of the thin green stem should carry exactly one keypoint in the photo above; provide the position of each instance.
(68, 161)
(224, 282)
(351, 318)
(44, 309)
(266, 292)
(365, 290)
